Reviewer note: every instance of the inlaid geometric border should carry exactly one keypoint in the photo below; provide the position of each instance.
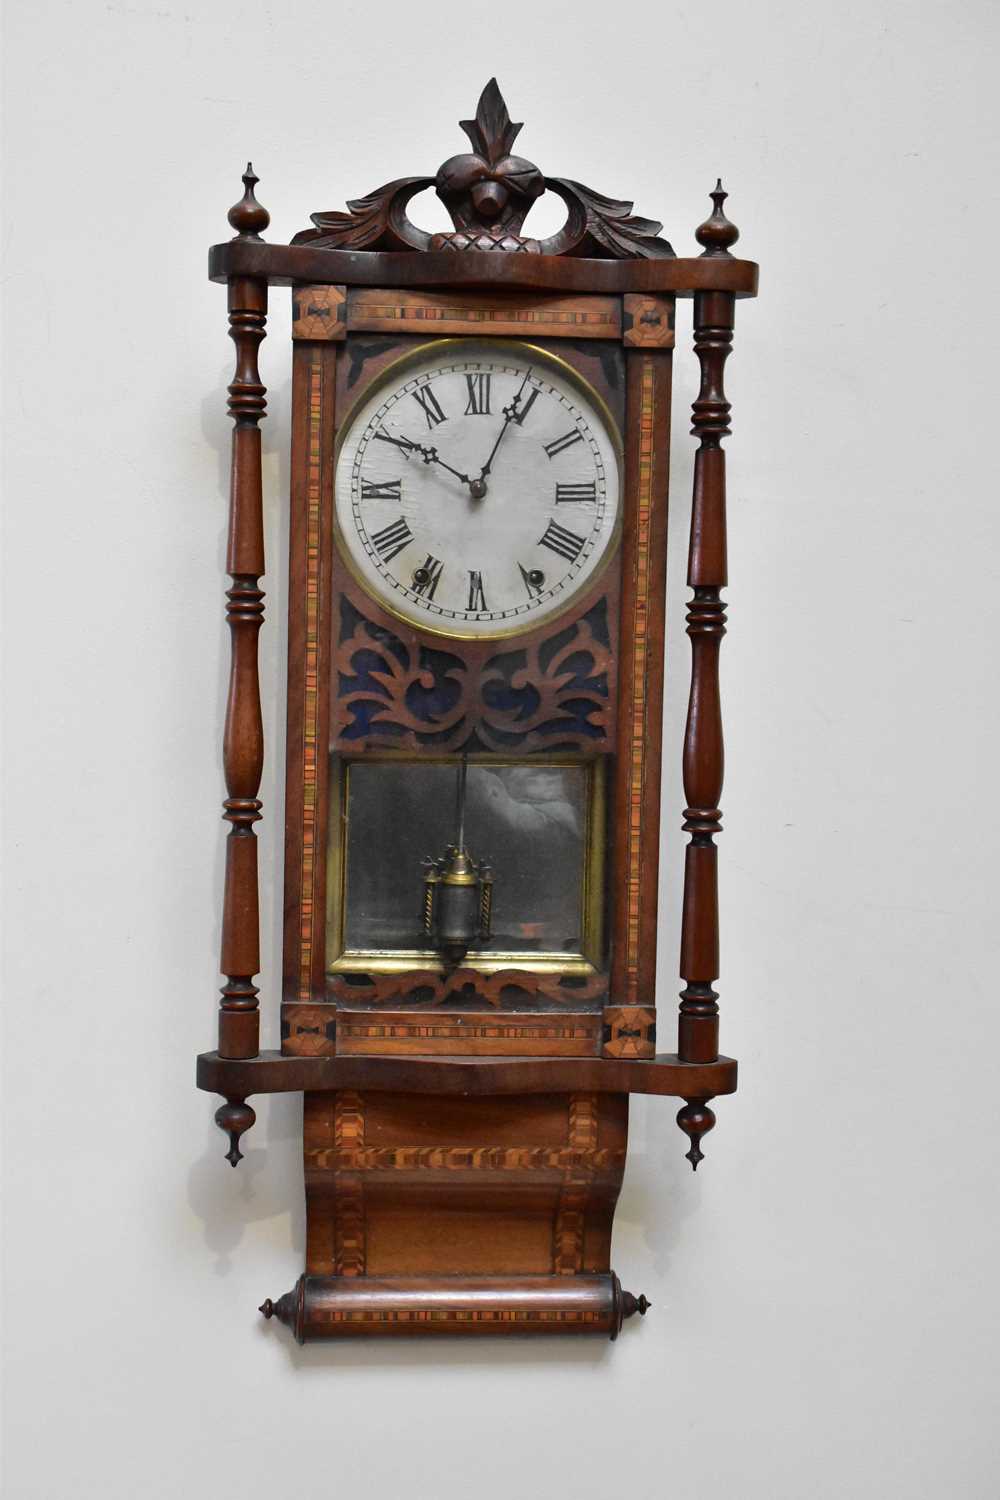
(370, 1033)
(310, 714)
(635, 799)
(570, 1221)
(454, 1317)
(350, 1250)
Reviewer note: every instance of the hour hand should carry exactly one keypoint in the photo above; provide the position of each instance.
(430, 456)
(383, 436)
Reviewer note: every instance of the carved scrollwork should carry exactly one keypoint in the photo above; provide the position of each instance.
(553, 689)
(386, 689)
(400, 692)
(488, 193)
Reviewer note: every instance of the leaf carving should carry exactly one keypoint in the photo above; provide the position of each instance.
(492, 132)
(602, 226)
(377, 221)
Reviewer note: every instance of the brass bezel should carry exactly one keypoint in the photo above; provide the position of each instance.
(573, 377)
(400, 961)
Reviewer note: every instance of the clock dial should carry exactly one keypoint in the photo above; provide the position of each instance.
(478, 488)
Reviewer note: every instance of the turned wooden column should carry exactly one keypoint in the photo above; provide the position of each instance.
(698, 1030)
(243, 744)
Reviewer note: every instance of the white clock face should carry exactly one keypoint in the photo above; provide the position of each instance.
(477, 489)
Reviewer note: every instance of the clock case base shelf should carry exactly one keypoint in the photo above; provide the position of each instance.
(459, 1195)
(275, 1073)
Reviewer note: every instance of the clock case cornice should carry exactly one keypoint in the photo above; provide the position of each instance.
(602, 247)
(288, 265)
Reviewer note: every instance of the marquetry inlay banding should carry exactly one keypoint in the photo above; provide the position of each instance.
(349, 1231)
(458, 1317)
(635, 800)
(568, 1233)
(373, 310)
(464, 1159)
(496, 1033)
(311, 840)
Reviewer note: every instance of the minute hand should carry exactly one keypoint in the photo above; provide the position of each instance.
(509, 415)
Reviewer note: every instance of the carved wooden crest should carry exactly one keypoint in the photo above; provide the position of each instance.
(488, 193)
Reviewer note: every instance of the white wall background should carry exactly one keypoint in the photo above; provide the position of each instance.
(825, 1289)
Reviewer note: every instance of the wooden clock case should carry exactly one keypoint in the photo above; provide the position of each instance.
(465, 1131)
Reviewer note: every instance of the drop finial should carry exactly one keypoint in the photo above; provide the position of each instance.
(696, 1120)
(234, 1117)
(248, 217)
(717, 233)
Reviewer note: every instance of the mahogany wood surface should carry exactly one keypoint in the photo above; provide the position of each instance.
(243, 745)
(284, 265)
(329, 377)
(401, 1184)
(322, 1307)
(698, 1026)
(273, 1073)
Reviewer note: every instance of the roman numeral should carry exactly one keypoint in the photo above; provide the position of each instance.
(558, 539)
(429, 405)
(427, 576)
(532, 578)
(389, 491)
(559, 445)
(392, 539)
(382, 436)
(526, 407)
(477, 599)
(576, 494)
(479, 395)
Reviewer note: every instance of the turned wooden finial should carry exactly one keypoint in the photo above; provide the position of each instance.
(696, 1120)
(234, 1117)
(248, 217)
(717, 233)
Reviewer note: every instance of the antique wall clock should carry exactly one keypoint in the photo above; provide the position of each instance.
(480, 433)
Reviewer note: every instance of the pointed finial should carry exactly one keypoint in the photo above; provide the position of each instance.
(248, 217)
(284, 1308)
(632, 1305)
(717, 233)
